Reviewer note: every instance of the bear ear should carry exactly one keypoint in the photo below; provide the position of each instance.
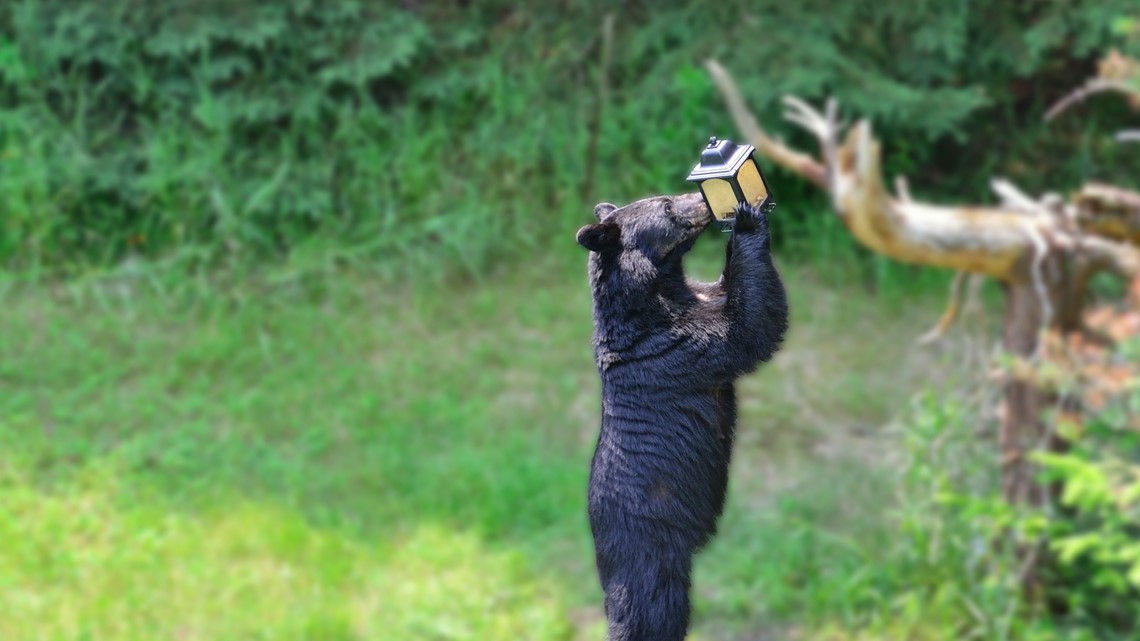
(601, 210)
(599, 237)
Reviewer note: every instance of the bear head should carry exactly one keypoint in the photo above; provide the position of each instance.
(647, 237)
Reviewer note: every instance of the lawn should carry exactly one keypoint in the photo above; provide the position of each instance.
(364, 461)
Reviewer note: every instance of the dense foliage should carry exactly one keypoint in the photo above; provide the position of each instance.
(318, 130)
(212, 134)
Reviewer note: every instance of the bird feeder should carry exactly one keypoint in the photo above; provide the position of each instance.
(729, 176)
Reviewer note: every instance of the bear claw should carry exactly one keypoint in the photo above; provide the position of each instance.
(749, 219)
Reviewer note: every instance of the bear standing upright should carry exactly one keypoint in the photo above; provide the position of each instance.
(668, 351)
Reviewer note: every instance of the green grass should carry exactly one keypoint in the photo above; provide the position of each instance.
(363, 461)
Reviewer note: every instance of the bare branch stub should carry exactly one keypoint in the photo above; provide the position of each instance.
(1013, 198)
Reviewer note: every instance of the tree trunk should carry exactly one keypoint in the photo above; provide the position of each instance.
(1022, 427)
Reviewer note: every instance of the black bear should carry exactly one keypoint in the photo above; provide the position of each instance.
(668, 351)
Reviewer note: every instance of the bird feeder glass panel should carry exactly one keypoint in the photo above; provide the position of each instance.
(720, 197)
(752, 183)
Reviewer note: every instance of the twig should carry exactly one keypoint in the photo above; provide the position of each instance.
(1040, 251)
(799, 163)
(1098, 85)
(1132, 135)
(951, 312)
(825, 127)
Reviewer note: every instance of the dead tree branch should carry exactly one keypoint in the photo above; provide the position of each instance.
(1042, 250)
(1000, 242)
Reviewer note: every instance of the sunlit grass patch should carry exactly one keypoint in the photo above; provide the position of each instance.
(443, 585)
(90, 558)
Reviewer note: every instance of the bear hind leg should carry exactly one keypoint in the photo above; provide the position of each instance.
(647, 597)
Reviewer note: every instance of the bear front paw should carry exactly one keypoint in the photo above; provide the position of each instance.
(749, 219)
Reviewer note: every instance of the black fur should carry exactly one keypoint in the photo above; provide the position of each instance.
(668, 351)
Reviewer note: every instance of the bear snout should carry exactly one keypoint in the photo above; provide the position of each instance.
(690, 209)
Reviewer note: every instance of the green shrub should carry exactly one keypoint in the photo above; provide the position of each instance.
(1086, 567)
(320, 131)
(1094, 531)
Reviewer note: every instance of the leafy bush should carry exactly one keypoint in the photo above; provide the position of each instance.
(319, 131)
(1094, 531)
(1084, 549)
